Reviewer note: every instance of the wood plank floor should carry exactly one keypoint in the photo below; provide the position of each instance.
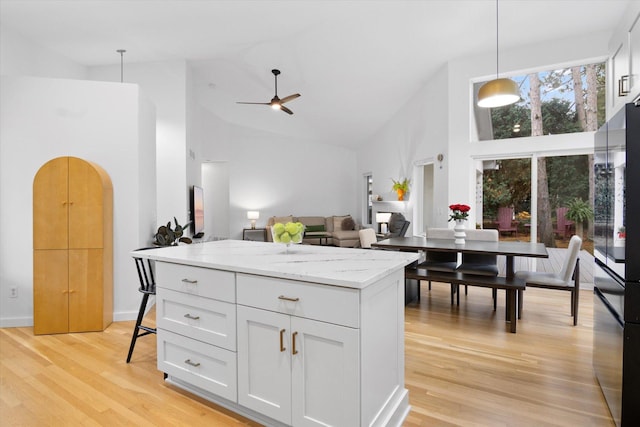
(462, 369)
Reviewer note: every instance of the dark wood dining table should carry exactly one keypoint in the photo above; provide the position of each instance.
(509, 249)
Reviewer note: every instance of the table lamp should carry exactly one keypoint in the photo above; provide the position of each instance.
(253, 216)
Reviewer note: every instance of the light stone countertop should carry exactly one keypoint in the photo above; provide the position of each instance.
(347, 267)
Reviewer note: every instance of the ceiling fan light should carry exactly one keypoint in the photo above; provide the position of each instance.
(275, 106)
(498, 93)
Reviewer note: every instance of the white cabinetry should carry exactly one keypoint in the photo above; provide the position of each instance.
(315, 338)
(296, 370)
(624, 73)
(196, 320)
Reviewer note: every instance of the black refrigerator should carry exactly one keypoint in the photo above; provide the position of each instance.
(616, 330)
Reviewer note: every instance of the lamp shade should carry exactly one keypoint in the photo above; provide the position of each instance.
(383, 216)
(253, 215)
(498, 93)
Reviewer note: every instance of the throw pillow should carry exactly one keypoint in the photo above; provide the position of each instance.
(337, 222)
(314, 228)
(348, 223)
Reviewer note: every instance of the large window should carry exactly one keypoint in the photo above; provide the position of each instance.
(558, 101)
(562, 184)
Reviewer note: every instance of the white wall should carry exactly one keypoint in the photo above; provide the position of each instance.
(415, 135)
(278, 176)
(105, 123)
(439, 120)
(22, 57)
(165, 83)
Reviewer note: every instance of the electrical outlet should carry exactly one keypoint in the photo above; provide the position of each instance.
(13, 293)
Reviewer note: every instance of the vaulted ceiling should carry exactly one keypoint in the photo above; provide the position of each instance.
(354, 62)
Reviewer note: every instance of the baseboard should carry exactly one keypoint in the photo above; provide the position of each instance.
(16, 322)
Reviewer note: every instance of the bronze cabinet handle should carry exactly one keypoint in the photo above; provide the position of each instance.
(189, 316)
(288, 298)
(282, 347)
(193, 282)
(293, 349)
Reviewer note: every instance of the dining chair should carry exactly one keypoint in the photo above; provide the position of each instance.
(505, 221)
(568, 279)
(367, 237)
(439, 260)
(480, 264)
(564, 227)
(147, 288)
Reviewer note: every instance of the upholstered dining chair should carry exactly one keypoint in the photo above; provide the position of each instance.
(481, 264)
(147, 288)
(367, 237)
(567, 279)
(439, 260)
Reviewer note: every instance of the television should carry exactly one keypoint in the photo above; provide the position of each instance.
(197, 211)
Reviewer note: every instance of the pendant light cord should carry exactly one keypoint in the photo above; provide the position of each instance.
(121, 52)
(497, 45)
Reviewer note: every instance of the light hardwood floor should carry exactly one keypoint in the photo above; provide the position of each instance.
(463, 368)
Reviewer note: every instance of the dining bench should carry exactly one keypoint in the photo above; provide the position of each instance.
(510, 284)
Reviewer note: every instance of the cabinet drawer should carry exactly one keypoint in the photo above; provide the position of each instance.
(204, 319)
(205, 366)
(312, 301)
(205, 282)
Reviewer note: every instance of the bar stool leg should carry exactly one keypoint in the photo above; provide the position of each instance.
(143, 307)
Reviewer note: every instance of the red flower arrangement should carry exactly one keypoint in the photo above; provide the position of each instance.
(459, 212)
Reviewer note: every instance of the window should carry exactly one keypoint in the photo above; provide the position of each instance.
(368, 198)
(567, 100)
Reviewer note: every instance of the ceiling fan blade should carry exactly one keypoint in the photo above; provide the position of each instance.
(285, 109)
(254, 103)
(289, 98)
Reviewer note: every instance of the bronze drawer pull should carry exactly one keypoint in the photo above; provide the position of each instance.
(282, 347)
(289, 298)
(189, 316)
(293, 350)
(193, 282)
(189, 362)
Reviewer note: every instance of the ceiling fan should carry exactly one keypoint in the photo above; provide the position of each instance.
(276, 103)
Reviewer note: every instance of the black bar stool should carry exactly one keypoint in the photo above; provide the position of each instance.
(147, 288)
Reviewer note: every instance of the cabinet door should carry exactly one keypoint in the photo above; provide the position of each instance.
(86, 284)
(50, 205)
(86, 200)
(325, 374)
(264, 362)
(50, 291)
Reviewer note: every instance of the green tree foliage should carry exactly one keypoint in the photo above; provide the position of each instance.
(509, 185)
(568, 179)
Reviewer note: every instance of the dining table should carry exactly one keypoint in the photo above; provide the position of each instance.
(509, 249)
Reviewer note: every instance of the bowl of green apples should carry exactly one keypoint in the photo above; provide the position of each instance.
(291, 232)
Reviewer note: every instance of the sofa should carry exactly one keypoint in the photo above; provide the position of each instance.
(334, 230)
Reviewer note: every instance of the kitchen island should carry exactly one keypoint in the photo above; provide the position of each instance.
(298, 336)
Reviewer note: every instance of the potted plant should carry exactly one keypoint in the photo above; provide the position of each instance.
(579, 212)
(622, 233)
(166, 236)
(401, 187)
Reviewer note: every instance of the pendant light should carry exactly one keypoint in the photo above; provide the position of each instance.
(498, 92)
